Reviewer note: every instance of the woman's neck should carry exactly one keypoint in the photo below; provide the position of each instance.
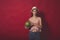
(34, 16)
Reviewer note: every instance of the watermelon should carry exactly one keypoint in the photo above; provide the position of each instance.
(27, 24)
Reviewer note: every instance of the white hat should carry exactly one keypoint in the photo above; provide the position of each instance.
(34, 7)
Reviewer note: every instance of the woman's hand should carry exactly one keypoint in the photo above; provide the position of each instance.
(40, 30)
(26, 27)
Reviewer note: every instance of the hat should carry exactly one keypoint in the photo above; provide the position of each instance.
(34, 7)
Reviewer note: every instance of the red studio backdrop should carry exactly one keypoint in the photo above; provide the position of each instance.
(14, 13)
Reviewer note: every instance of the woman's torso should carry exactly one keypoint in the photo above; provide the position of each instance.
(35, 22)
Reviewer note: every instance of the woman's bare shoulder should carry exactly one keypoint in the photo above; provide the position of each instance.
(30, 18)
(39, 17)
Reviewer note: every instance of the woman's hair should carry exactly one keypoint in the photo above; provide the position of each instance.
(37, 14)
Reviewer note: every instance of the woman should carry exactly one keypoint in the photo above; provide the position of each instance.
(36, 25)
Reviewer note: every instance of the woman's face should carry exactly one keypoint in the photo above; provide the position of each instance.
(34, 12)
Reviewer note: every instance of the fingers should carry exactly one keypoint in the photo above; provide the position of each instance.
(26, 27)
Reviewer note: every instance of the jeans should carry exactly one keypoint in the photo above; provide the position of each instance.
(34, 35)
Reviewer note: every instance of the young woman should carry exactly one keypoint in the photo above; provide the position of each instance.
(36, 25)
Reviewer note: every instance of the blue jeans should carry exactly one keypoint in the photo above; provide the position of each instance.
(34, 35)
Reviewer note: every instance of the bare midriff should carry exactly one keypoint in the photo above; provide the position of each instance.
(35, 28)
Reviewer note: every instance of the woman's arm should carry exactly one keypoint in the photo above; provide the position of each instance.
(31, 24)
(40, 22)
(29, 20)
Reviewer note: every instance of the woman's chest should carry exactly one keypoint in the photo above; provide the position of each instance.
(34, 21)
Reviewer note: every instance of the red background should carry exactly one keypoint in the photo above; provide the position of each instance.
(14, 13)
